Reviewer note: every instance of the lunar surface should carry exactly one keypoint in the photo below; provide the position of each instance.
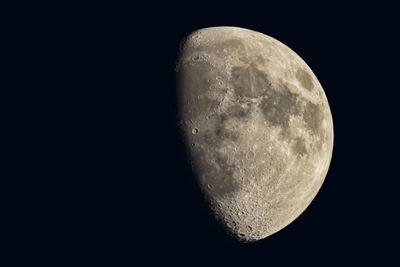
(257, 126)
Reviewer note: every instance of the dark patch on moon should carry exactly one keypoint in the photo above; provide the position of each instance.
(216, 134)
(313, 117)
(219, 180)
(224, 134)
(305, 79)
(237, 111)
(261, 60)
(210, 138)
(225, 184)
(277, 106)
(214, 173)
(299, 146)
(221, 131)
(249, 81)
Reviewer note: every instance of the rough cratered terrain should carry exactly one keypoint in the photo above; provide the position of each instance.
(257, 125)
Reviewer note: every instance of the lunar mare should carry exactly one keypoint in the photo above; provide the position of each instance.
(257, 125)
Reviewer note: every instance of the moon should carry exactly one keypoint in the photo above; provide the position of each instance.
(257, 126)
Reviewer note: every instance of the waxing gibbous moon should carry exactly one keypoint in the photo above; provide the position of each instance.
(257, 126)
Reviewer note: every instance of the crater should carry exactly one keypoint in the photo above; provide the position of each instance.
(195, 131)
(305, 79)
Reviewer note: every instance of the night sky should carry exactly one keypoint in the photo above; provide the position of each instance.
(107, 180)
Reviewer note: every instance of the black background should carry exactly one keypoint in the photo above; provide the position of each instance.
(108, 176)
